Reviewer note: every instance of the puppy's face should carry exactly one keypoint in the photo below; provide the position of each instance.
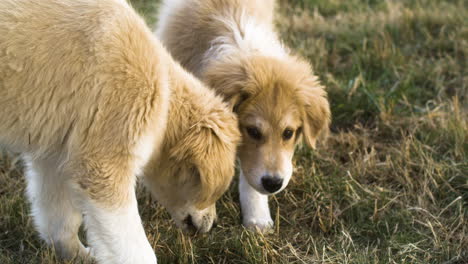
(190, 176)
(271, 126)
(278, 101)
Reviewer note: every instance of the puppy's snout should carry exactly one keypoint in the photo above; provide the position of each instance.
(189, 224)
(272, 183)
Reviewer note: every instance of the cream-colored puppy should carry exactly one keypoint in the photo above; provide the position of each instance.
(232, 46)
(92, 100)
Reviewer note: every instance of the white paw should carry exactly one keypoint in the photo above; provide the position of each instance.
(263, 225)
(86, 252)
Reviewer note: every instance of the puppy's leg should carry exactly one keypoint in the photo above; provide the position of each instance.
(55, 217)
(114, 229)
(255, 210)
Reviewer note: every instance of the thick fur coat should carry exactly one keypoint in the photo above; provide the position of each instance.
(92, 99)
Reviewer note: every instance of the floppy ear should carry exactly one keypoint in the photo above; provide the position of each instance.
(210, 146)
(229, 79)
(316, 110)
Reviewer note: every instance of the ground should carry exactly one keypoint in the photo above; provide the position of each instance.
(391, 183)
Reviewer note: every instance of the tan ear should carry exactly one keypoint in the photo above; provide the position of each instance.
(217, 159)
(316, 110)
(211, 147)
(229, 79)
(188, 145)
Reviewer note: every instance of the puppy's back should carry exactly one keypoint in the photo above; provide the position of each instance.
(189, 27)
(73, 68)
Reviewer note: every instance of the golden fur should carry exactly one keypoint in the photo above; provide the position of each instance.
(232, 46)
(85, 83)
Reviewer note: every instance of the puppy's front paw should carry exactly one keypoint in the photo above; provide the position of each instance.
(86, 252)
(263, 225)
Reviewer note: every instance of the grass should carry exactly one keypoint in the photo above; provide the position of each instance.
(390, 185)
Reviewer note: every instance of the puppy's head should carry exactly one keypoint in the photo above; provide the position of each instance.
(278, 102)
(196, 165)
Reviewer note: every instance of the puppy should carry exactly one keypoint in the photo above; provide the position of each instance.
(92, 100)
(232, 46)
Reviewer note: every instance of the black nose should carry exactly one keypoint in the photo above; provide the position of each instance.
(190, 226)
(272, 184)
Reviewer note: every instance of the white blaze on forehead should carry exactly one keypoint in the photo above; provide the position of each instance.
(256, 121)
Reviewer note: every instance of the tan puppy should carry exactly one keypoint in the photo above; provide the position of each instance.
(232, 46)
(92, 100)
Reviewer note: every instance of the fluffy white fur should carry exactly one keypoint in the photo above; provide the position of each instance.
(249, 35)
(255, 209)
(55, 216)
(57, 207)
(118, 234)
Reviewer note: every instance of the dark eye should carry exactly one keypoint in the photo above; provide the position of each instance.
(254, 133)
(287, 134)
